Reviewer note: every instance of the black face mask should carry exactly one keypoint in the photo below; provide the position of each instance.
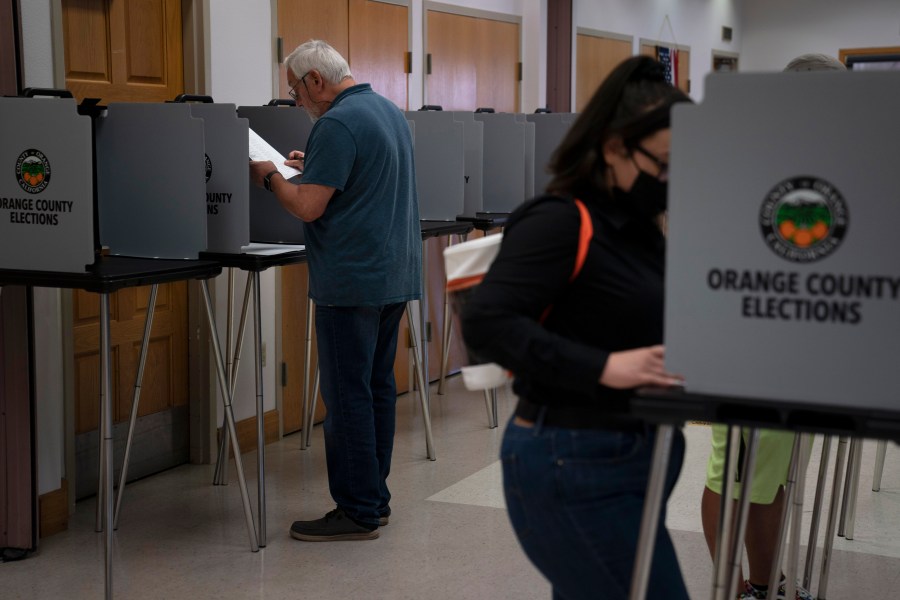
(649, 195)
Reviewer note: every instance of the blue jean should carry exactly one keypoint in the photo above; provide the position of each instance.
(575, 499)
(357, 346)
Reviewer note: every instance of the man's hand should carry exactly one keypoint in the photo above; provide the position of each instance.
(259, 169)
(295, 159)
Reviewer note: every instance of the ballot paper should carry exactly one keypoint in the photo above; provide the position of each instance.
(260, 149)
(269, 249)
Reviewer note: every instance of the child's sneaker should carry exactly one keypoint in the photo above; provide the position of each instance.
(800, 594)
(751, 592)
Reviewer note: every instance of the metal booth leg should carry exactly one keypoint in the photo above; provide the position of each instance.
(106, 480)
(229, 415)
(307, 361)
(880, 451)
(260, 413)
(789, 489)
(726, 507)
(135, 402)
(221, 474)
(656, 483)
(447, 331)
(422, 384)
(735, 553)
(790, 584)
(832, 517)
(851, 486)
(817, 511)
(310, 415)
(490, 413)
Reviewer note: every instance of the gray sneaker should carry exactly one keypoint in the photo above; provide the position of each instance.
(334, 526)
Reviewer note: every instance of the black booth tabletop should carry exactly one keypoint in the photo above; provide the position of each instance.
(112, 273)
(255, 262)
(432, 229)
(486, 221)
(675, 405)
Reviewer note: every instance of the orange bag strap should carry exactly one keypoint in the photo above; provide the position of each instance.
(585, 233)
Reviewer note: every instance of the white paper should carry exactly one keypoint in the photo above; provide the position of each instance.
(269, 249)
(260, 149)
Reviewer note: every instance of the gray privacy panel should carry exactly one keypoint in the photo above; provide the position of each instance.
(473, 134)
(505, 155)
(151, 181)
(286, 128)
(227, 177)
(549, 131)
(783, 278)
(440, 164)
(46, 192)
(529, 156)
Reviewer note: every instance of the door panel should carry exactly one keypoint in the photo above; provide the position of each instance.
(129, 52)
(474, 62)
(373, 37)
(302, 20)
(597, 57)
(123, 51)
(376, 57)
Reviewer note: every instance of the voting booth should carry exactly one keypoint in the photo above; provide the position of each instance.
(226, 174)
(286, 128)
(549, 131)
(46, 191)
(439, 145)
(473, 163)
(782, 278)
(508, 161)
(151, 180)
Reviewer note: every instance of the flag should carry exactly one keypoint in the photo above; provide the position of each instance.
(665, 56)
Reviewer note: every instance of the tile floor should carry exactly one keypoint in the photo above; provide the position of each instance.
(181, 537)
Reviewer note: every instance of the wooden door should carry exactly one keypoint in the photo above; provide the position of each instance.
(378, 47)
(129, 52)
(123, 51)
(10, 69)
(373, 37)
(597, 57)
(475, 62)
(880, 58)
(17, 486)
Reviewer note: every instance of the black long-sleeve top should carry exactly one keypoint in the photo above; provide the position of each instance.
(615, 303)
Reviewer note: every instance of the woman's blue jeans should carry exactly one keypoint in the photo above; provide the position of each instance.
(357, 346)
(575, 499)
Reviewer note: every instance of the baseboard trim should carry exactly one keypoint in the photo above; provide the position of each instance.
(246, 431)
(53, 508)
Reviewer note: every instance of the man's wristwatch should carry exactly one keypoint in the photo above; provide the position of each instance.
(267, 180)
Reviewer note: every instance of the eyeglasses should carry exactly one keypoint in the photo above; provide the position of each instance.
(660, 164)
(293, 91)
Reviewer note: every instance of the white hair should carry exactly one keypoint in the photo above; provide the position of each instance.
(318, 55)
(815, 62)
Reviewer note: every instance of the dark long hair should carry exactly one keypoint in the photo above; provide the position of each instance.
(633, 101)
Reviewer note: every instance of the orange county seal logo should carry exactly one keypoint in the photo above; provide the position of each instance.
(33, 171)
(803, 219)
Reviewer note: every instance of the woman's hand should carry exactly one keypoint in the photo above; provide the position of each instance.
(638, 367)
